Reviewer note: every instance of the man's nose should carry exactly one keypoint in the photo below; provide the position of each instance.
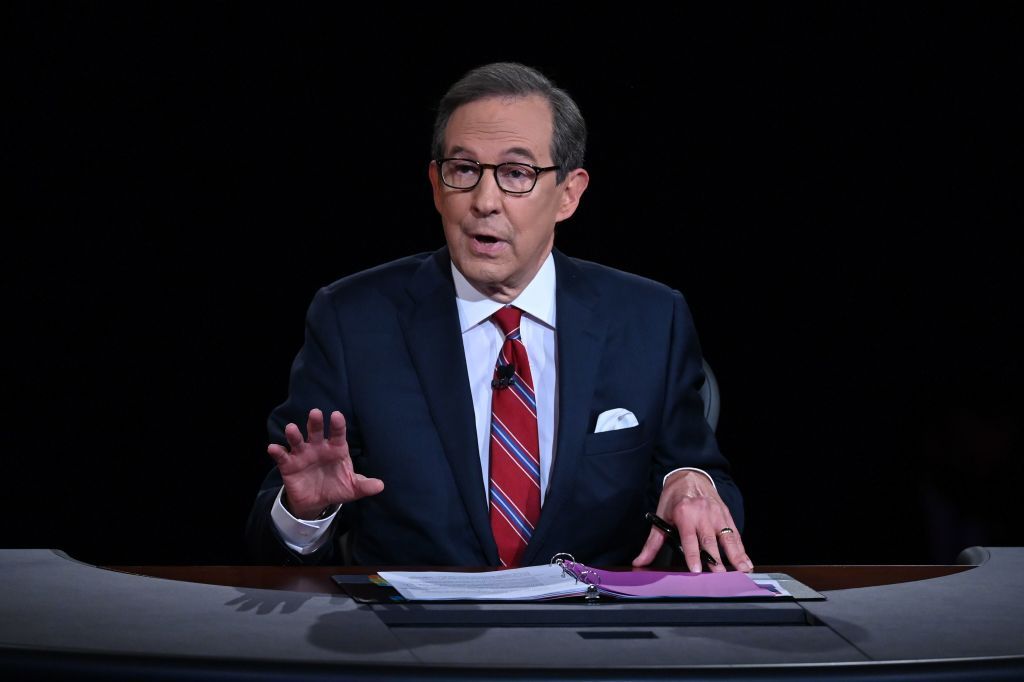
(487, 195)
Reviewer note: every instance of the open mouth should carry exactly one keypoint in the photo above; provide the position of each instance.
(487, 245)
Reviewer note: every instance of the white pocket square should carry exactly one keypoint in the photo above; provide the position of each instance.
(612, 420)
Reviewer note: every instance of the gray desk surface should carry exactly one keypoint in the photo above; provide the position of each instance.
(57, 614)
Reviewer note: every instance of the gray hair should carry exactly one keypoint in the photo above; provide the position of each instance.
(569, 137)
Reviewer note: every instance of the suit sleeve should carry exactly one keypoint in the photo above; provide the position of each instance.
(686, 439)
(317, 379)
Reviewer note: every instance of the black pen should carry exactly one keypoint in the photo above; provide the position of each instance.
(673, 536)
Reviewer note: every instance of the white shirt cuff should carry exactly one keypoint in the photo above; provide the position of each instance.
(689, 469)
(301, 536)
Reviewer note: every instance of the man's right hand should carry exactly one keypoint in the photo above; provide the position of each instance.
(318, 473)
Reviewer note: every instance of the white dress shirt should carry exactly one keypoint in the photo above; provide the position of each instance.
(482, 340)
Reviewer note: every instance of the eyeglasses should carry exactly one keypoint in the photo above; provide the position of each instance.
(513, 178)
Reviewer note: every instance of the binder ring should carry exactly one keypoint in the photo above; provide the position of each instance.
(567, 562)
(560, 558)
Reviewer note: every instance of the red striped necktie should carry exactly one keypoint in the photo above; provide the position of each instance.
(515, 453)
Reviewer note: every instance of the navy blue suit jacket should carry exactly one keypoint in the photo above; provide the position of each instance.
(384, 347)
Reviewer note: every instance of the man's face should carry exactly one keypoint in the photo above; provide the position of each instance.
(498, 241)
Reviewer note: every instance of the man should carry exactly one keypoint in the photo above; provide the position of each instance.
(463, 430)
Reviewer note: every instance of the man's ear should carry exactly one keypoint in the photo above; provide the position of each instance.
(435, 184)
(572, 189)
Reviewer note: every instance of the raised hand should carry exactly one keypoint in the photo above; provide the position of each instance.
(318, 473)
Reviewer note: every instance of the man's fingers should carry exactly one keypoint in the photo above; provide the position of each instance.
(655, 539)
(337, 437)
(364, 487)
(278, 453)
(294, 437)
(691, 551)
(710, 545)
(733, 546)
(315, 426)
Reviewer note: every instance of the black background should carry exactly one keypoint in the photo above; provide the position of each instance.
(836, 190)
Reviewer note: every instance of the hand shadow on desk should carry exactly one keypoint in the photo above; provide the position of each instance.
(334, 631)
(264, 602)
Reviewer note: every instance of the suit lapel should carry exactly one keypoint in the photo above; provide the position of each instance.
(581, 336)
(431, 328)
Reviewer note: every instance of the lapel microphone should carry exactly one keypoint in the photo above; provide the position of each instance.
(506, 376)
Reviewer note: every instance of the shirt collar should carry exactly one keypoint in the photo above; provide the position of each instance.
(537, 299)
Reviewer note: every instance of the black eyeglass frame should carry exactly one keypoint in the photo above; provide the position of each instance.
(494, 167)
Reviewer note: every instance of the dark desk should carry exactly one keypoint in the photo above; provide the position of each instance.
(60, 617)
(318, 578)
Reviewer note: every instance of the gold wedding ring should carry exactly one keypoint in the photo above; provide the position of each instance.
(725, 531)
